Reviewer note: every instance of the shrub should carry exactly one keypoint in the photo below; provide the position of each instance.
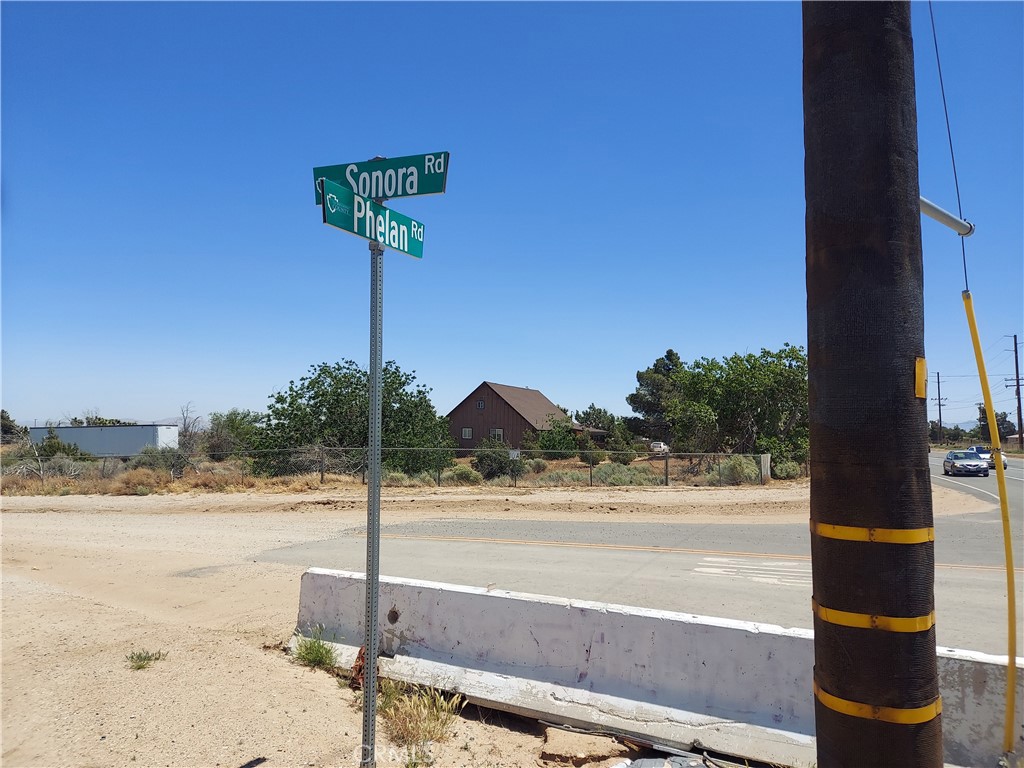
(562, 478)
(589, 453)
(735, 470)
(142, 659)
(394, 479)
(617, 474)
(63, 466)
(491, 458)
(461, 474)
(538, 465)
(128, 483)
(785, 469)
(169, 459)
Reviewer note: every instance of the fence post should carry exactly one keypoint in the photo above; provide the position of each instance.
(321, 465)
(591, 472)
(766, 467)
(666, 470)
(718, 462)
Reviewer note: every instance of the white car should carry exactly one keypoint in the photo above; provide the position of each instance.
(659, 447)
(964, 463)
(986, 453)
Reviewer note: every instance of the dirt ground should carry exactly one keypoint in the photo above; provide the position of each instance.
(89, 579)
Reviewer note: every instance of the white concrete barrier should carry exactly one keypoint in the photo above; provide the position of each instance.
(666, 678)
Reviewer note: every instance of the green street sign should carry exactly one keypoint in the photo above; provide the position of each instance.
(394, 177)
(346, 210)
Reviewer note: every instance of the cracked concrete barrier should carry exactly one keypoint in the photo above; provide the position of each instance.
(665, 678)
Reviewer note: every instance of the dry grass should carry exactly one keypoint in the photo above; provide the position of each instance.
(416, 716)
(208, 478)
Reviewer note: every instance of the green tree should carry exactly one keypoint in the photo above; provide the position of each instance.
(52, 445)
(329, 408)
(93, 419)
(558, 441)
(741, 404)
(595, 417)
(954, 434)
(621, 444)
(655, 389)
(231, 433)
(1003, 425)
(589, 453)
(10, 430)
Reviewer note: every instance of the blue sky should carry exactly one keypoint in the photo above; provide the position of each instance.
(624, 179)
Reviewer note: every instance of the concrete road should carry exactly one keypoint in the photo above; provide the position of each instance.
(759, 572)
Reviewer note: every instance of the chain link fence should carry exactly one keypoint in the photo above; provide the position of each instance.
(24, 471)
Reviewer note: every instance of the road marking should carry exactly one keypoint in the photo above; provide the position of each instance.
(641, 548)
(765, 572)
(965, 485)
(588, 545)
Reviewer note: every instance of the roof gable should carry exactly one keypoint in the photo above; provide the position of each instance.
(531, 404)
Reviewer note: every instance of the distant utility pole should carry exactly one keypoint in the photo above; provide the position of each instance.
(939, 399)
(876, 683)
(1016, 383)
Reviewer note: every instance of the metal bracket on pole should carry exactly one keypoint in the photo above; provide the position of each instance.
(962, 227)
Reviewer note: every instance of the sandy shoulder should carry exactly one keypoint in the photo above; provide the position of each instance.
(86, 580)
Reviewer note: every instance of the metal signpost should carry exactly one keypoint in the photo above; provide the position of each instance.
(351, 198)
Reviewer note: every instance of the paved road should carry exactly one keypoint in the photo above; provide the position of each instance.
(756, 572)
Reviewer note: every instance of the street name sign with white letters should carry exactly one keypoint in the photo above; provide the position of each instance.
(389, 177)
(344, 209)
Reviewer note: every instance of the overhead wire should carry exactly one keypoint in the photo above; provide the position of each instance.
(949, 134)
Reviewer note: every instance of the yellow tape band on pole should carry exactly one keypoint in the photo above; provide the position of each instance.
(910, 716)
(871, 621)
(882, 535)
(920, 378)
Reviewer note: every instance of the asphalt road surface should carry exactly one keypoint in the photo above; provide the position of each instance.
(758, 572)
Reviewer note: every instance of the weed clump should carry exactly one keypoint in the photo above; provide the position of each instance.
(314, 652)
(143, 659)
(461, 474)
(414, 716)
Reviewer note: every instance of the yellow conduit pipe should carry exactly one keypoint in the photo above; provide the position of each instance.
(997, 454)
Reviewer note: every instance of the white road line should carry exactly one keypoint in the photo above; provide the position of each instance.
(965, 485)
(764, 573)
(767, 565)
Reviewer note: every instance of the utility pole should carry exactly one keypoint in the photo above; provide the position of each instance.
(872, 539)
(1016, 382)
(939, 399)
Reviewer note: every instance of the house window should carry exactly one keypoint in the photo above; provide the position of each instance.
(467, 433)
(498, 434)
(479, 405)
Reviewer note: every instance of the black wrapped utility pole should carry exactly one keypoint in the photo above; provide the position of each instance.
(875, 679)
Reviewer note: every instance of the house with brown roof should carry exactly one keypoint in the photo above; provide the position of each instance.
(501, 411)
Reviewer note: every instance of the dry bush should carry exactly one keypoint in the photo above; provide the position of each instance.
(215, 481)
(20, 485)
(139, 482)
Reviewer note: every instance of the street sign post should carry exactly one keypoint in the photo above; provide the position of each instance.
(389, 177)
(353, 213)
(350, 198)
